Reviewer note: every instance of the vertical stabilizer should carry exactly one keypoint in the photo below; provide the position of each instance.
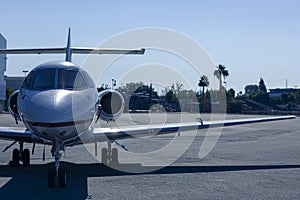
(68, 48)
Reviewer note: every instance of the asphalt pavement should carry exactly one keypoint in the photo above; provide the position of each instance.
(254, 161)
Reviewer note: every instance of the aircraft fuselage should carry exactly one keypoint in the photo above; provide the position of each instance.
(57, 101)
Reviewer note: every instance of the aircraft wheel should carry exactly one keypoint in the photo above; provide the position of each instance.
(62, 177)
(26, 157)
(51, 178)
(115, 156)
(104, 156)
(15, 158)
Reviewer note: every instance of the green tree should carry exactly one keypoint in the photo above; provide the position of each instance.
(230, 95)
(9, 91)
(262, 97)
(176, 88)
(287, 98)
(251, 90)
(261, 85)
(203, 82)
(221, 72)
(169, 96)
(232, 105)
(284, 98)
(297, 97)
(187, 94)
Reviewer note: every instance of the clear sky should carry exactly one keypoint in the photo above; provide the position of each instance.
(259, 38)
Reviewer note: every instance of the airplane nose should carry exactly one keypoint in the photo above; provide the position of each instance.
(57, 106)
(48, 106)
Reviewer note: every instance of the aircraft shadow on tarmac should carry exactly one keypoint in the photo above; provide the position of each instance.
(31, 182)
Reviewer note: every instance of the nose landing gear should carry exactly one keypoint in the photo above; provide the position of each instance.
(57, 173)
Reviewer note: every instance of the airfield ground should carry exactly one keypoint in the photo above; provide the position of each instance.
(254, 161)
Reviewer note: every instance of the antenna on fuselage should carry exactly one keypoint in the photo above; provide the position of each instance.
(68, 48)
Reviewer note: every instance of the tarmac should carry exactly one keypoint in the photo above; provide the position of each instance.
(254, 161)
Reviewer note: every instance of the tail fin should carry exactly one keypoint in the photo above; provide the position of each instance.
(68, 48)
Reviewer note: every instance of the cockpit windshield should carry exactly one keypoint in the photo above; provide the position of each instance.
(71, 80)
(68, 79)
(40, 80)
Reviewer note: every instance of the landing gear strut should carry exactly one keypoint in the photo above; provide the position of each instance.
(110, 156)
(57, 173)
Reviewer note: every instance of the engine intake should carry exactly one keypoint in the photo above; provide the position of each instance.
(13, 105)
(112, 104)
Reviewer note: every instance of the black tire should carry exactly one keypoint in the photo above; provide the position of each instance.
(104, 156)
(15, 158)
(26, 157)
(51, 178)
(62, 177)
(115, 156)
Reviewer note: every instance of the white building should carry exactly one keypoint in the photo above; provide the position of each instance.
(2, 70)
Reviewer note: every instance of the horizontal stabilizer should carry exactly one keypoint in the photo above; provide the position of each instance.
(107, 51)
(78, 50)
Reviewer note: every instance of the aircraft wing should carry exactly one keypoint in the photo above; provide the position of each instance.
(102, 134)
(16, 134)
(79, 50)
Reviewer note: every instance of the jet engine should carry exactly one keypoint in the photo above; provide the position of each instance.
(13, 106)
(111, 105)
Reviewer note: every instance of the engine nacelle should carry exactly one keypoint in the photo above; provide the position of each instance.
(112, 105)
(12, 105)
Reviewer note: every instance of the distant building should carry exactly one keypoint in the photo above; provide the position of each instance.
(2, 70)
(276, 93)
(14, 82)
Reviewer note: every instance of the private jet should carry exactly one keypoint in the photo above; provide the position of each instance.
(58, 102)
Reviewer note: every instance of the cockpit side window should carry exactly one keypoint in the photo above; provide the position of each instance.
(88, 79)
(71, 80)
(40, 80)
(27, 80)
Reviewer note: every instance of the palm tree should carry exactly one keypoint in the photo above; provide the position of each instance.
(203, 82)
(220, 72)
